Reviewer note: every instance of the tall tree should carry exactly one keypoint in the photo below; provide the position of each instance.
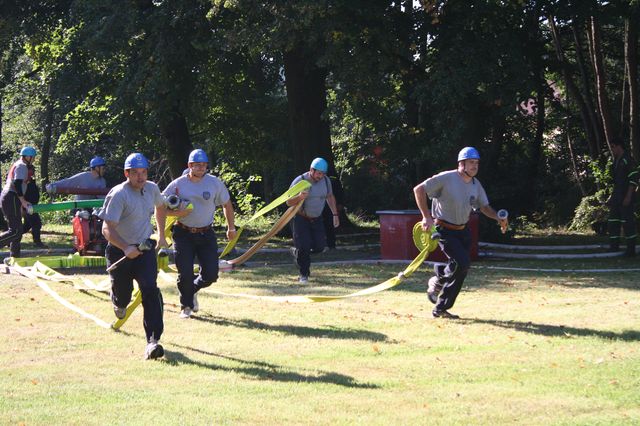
(601, 80)
(631, 60)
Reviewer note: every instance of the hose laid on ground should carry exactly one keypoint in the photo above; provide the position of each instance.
(423, 240)
(37, 277)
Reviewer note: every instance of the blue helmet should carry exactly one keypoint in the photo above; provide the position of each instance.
(28, 151)
(320, 164)
(468, 153)
(136, 161)
(198, 156)
(97, 162)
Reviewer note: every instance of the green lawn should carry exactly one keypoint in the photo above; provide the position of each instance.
(531, 348)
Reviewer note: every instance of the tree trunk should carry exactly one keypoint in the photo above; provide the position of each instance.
(573, 91)
(307, 105)
(601, 81)
(631, 62)
(574, 165)
(623, 99)
(176, 133)
(1, 140)
(46, 143)
(594, 121)
(536, 146)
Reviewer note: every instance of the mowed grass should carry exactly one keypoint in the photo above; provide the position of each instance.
(531, 348)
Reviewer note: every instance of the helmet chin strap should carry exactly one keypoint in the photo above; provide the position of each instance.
(464, 168)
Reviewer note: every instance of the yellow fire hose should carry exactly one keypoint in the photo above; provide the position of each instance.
(294, 190)
(423, 241)
(42, 268)
(284, 219)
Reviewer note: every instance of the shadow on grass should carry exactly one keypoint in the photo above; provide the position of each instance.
(324, 332)
(557, 330)
(264, 371)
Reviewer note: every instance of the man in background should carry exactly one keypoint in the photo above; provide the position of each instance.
(625, 175)
(308, 227)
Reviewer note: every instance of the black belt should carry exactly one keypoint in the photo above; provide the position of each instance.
(193, 230)
(309, 218)
(449, 226)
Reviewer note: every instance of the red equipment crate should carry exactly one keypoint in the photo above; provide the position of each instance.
(396, 235)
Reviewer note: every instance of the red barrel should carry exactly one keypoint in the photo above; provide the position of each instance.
(396, 235)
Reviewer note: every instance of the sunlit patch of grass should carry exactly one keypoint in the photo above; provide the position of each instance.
(531, 347)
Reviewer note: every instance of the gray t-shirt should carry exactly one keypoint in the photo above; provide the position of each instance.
(131, 210)
(314, 203)
(453, 198)
(18, 170)
(84, 180)
(205, 195)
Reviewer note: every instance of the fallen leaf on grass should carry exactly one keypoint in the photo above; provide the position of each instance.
(376, 349)
(34, 381)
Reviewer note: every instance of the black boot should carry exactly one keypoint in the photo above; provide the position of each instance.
(631, 250)
(40, 244)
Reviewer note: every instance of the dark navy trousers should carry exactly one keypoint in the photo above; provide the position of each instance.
(188, 245)
(33, 223)
(143, 269)
(308, 237)
(456, 245)
(12, 210)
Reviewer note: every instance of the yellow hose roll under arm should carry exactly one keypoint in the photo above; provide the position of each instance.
(284, 219)
(294, 190)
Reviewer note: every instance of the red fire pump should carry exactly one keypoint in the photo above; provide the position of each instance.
(87, 234)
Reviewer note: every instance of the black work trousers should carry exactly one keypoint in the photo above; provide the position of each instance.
(143, 269)
(456, 245)
(12, 210)
(308, 237)
(188, 245)
(33, 223)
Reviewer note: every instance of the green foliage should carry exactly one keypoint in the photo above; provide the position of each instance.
(246, 202)
(602, 173)
(591, 213)
(408, 85)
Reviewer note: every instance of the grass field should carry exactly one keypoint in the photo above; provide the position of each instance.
(531, 348)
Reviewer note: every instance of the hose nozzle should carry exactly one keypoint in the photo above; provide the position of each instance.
(503, 215)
